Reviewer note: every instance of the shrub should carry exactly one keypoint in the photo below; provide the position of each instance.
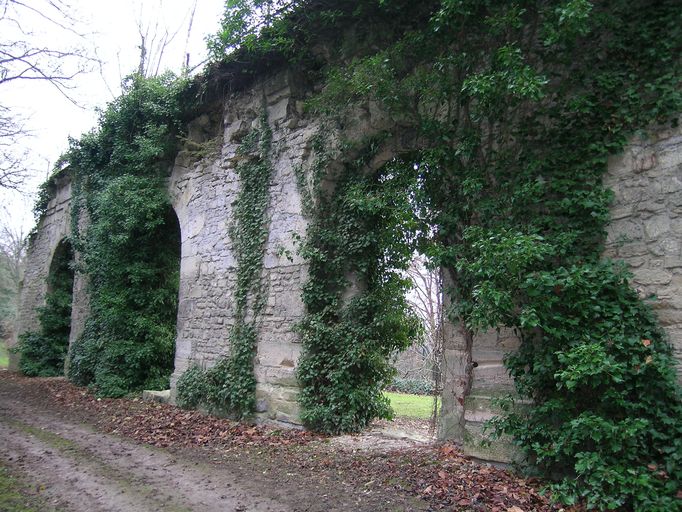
(411, 386)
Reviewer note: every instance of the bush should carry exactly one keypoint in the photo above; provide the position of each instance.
(608, 415)
(41, 356)
(131, 248)
(412, 386)
(192, 388)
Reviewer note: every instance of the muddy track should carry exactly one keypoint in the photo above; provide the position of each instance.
(65, 460)
(82, 470)
(70, 451)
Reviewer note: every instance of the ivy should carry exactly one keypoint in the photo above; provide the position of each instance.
(128, 238)
(515, 108)
(360, 237)
(42, 353)
(512, 110)
(230, 385)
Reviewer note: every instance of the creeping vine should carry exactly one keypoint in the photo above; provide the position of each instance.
(516, 107)
(128, 239)
(230, 385)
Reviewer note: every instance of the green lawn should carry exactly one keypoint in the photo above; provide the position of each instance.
(4, 358)
(413, 406)
(15, 498)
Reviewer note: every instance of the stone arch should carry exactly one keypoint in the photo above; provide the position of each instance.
(53, 227)
(59, 295)
(62, 253)
(172, 230)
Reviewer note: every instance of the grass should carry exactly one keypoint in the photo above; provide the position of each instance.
(13, 496)
(412, 406)
(4, 357)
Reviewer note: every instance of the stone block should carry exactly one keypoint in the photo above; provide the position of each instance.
(163, 397)
(649, 276)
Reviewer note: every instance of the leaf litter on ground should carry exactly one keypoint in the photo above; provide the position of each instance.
(438, 474)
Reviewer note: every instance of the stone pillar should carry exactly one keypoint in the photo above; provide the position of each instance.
(456, 371)
(473, 376)
(646, 222)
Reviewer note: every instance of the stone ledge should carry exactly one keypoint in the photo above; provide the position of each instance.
(163, 397)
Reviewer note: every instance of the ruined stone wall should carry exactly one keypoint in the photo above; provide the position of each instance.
(203, 193)
(646, 225)
(646, 231)
(54, 227)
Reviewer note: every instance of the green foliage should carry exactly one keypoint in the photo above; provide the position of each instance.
(230, 385)
(192, 388)
(130, 247)
(516, 108)
(254, 34)
(603, 379)
(411, 386)
(362, 236)
(242, 24)
(42, 353)
(227, 387)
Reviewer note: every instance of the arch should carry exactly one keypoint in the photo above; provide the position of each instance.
(43, 351)
(172, 231)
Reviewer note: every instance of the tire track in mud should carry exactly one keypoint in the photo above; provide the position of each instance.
(82, 470)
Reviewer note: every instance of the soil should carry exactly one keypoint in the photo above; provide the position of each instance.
(79, 453)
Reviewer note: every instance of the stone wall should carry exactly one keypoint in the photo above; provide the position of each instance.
(203, 193)
(54, 227)
(646, 226)
(646, 232)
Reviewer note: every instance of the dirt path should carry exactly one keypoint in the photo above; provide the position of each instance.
(76, 453)
(86, 471)
(59, 451)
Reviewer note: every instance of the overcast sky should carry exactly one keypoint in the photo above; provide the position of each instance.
(112, 35)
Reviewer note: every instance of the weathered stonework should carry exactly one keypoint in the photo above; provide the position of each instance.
(646, 225)
(54, 227)
(646, 232)
(202, 194)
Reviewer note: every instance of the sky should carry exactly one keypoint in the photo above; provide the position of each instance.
(108, 31)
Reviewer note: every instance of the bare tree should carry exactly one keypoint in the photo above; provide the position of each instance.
(12, 254)
(24, 58)
(12, 169)
(426, 298)
(154, 41)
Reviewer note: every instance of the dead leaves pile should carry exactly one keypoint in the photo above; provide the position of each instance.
(441, 475)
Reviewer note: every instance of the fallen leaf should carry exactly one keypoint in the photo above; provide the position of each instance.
(447, 449)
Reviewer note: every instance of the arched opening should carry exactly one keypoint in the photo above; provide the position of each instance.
(131, 259)
(168, 253)
(416, 388)
(42, 352)
(368, 231)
